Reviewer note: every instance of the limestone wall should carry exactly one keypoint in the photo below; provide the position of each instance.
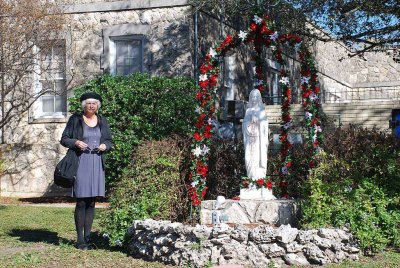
(366, 114)
(200, 246)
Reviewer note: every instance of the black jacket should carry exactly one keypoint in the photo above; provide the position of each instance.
(74, 131)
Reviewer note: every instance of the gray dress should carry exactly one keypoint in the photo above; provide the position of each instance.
(90, 177)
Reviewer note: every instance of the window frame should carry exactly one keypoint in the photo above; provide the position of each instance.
(113, 53)
(36, 113)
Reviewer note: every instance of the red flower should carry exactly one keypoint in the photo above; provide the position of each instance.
(260, 182)
(201, 117)
(283, 137)
(204, 69)
(246, 183)
(236, 198)
(203, 171)
(204, 84)
(289, 164)
(312, 164)
(199, 95)
(253, 26)
(213, 80)
(208, 128)
(196, 201)
(197, 136)
(212, 109)
(207, 134)
(199, 124)
(228, 40)
(269, 184)
(260, 88)
(317, 90)
(285, 196)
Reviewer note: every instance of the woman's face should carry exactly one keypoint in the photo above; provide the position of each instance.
(91, 106)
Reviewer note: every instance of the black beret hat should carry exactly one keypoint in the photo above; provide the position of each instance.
(91, 95)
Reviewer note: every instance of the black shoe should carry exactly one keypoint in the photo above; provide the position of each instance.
(90, 244)
(82, 246)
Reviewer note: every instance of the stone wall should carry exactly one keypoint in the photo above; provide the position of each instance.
(199, 246)
(366, 114)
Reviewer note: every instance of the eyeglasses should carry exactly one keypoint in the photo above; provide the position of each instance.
(92, 151)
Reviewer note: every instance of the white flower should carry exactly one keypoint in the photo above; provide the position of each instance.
(196, 151)
(205, 150)
(118, 243)
(194, 183)
(318, 129)
(308, 115)
(274, 36)
(284, 80)
(203, 77)
(314, 138)
(287, 125)
(258, 82)
(243, 35)
(106, 236)
(297, 46)
(313, 96)
(213, 53)
(273, 48)
(210, 121)
(257, 19)
(285, 170)
(305, 79)
(198, 110)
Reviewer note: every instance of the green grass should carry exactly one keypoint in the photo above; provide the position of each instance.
(45, 237)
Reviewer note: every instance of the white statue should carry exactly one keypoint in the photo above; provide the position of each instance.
(255, 138)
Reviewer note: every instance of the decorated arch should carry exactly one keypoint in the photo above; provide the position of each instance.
(261, 33)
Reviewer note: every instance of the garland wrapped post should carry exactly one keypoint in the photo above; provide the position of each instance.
(260, 34)
(311, 104)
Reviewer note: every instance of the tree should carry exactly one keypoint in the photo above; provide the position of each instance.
(363, 25)
(28, 30)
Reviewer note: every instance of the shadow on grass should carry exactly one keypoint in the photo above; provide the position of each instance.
(39, 235)
(49, 237)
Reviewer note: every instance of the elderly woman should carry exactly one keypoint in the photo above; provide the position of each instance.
(89, 135)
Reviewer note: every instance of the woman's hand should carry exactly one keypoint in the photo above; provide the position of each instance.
(102, 147)
(81, 145)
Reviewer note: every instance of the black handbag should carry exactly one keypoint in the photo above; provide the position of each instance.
(65, 172)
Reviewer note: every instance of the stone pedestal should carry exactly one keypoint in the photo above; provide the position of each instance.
(275, 212)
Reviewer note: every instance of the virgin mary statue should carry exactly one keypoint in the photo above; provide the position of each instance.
(255, 138)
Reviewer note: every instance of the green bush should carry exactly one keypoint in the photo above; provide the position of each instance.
(356, 184)
(139, 107)
(151, 187)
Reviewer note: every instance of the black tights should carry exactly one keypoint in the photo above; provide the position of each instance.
(84, 215)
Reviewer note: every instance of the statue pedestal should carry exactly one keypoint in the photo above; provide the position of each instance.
(256, 194)
(274, 212)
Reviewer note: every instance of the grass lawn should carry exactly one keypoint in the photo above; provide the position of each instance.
(45, 236)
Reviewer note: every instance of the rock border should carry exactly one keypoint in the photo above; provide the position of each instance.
(200, 246)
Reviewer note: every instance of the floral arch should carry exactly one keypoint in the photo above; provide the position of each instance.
(261, 33)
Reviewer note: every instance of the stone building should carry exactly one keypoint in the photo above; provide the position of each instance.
(169, 38)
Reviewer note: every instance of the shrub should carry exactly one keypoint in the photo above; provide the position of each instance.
(151, 187)
(139, 107)
(356, 184)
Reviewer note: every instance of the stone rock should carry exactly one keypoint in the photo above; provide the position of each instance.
(272, 250)
(262, 234)
(315, 255)
(322, 242)
(351, 249)
(286, 234)
(305, 236)
(330, 255)
(343, 235)
(328, 233)
(255, 256)
(240, 233)
(293, 247)
(296, 259)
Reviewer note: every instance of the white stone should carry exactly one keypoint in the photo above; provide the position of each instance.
(296, 259)
(286, 234)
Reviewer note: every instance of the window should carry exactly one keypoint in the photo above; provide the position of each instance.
(50, 81)
(126, 55)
